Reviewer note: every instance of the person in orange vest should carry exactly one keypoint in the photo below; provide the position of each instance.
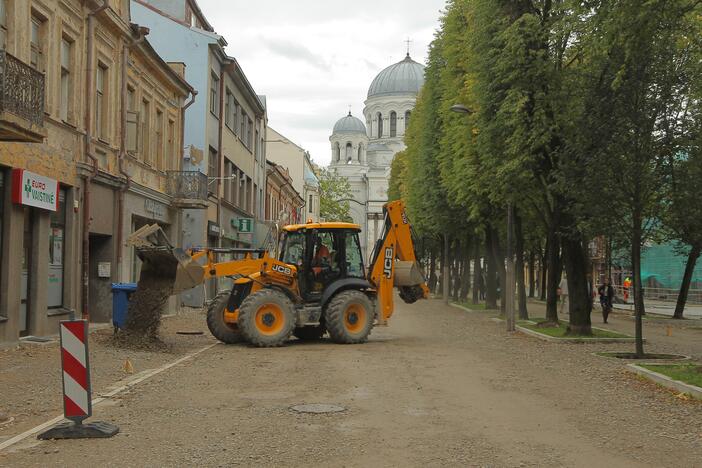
(627, 285)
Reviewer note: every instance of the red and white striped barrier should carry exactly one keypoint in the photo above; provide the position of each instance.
(77, 404)
(77, 401)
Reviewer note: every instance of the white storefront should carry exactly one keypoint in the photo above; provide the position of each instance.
(363, 152)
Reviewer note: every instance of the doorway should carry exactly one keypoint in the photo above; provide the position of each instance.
(27, 242)
(99, 286)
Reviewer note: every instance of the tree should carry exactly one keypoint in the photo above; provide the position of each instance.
(334, 196)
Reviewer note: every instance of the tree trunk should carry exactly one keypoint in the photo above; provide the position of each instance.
(638, 296)
(477, 272)
(553, 276)
(532, 271)
(490, 276)
(500, 267)
(544, 273)
(465, 277)
(579, 298)
(519, 268)
(456, 270)
(687, 279)
(432, 273)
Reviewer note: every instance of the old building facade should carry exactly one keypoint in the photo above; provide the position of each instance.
(283, 202)
(86, 155)
(296, 160)
(225, 131)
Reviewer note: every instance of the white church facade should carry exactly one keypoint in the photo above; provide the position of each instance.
(362, 152)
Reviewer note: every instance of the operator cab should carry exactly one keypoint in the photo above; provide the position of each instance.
(323, 253)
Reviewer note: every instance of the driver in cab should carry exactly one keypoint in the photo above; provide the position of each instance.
(322, 259)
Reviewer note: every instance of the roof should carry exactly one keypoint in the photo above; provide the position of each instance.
(310, 177)
(298, 227)
(350, 124)
(405, 77)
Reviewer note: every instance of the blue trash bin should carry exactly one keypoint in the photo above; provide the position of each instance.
(120, 302)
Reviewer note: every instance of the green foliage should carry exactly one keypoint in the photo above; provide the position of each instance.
(334, 195)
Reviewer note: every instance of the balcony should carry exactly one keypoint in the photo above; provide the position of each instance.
(188, 189)
(21, 101)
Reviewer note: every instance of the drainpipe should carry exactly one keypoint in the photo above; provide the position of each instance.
(88, 153)
(141, 35)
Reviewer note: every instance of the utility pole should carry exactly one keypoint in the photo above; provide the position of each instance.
(445, 267)
(509, 283)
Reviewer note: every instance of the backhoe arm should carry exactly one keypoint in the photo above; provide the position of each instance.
(394, 262)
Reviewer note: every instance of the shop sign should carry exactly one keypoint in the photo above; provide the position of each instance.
(31, 189)
(213, 229)
(245, 225)
(155, 209)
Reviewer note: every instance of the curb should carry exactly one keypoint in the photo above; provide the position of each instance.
(544, 337)
(667, 382)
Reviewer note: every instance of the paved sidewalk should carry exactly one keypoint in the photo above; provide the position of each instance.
(664, 308)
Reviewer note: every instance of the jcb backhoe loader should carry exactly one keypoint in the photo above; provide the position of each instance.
(316, 284)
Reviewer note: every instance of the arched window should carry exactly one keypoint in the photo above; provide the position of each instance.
(407, 118)
(337, 152)
(360, 153)
(380, 125)
(393, 124)
(349, 153)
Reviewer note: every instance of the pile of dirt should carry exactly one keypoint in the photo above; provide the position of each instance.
(144, 314)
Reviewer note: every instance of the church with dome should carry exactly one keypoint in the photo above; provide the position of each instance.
(362, 152)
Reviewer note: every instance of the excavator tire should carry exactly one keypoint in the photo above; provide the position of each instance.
(266, 318)
(223, 331)
(310, 333)
(349, 317)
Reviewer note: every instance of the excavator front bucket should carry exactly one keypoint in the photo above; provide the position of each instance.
(170, 266)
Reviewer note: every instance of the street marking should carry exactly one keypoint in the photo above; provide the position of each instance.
(104, 397)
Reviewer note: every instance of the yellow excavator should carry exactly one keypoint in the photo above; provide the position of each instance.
(315, 283)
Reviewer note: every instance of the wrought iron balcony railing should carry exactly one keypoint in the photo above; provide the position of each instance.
(22, 91)
(188, 188)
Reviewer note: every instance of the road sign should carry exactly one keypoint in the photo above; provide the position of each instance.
(246, 225)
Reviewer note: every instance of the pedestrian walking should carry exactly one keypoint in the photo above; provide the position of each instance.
(564, 293)
(606, 292)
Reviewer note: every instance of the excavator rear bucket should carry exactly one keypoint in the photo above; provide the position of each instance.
(407, 274)
(171, 266)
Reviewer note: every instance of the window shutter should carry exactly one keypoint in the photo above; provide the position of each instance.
(132, 131)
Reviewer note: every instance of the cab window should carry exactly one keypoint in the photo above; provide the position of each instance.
(292, 248)
(354, 259)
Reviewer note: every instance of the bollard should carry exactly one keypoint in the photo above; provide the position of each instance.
(77, 398)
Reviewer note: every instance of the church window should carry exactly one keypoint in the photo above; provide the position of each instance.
(360, 153)
(407, 119)
(337, 152)
(380, 125)
(393, 124)
(349, 153)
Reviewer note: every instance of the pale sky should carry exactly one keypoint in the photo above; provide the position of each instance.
(314, 58)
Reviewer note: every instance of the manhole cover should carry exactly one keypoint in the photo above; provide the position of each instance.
(317, 408)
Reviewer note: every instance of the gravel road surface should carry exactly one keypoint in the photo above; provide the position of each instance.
(439, 387)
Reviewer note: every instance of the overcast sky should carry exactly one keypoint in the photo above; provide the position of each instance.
(314, 58)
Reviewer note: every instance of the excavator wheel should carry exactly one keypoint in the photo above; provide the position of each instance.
(225, 332)
(266, 318)
(349, 317)
(310, 333)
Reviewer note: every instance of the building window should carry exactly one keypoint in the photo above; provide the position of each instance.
(242, 124)
(36, 53)
(213, 170)
(227, 180)
(249, 200)
(254, 209)
(310, 206)
(228, 108)
(360, 152)
(171, 156)
(159, 139)
(408, 114)
(56, 254)
(101, 101)
(393, 124)
(256, 146)
(241, 184)
(66, 80)
(380, 125)
(3, 24)
(337, 152)
(214, 95)
(145, 118)
(249, 134)
(235, 120)
(349, 153)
